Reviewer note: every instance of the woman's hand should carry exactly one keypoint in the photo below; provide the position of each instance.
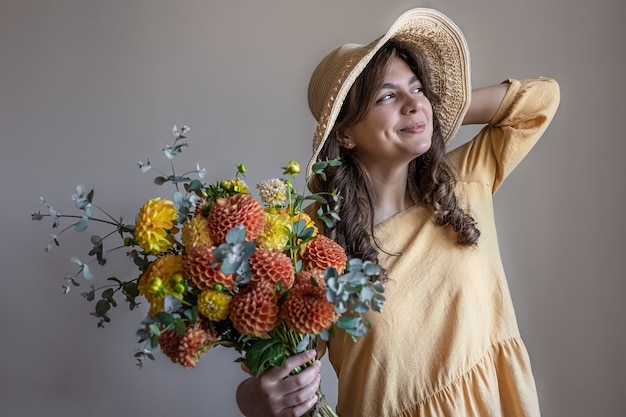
(276, 393)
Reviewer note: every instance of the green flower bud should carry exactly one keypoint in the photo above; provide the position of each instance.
(226, 185)
(293, 167)
(179, 288)
(155, 285)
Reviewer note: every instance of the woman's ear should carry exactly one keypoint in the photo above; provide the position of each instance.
(344, 139)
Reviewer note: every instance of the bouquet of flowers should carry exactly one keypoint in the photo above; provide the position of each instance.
(221, 268)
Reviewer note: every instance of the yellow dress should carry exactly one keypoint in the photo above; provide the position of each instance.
(447, 342)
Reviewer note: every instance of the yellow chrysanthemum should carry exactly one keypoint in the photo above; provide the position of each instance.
(195, 232)
(214, 305)
(155, 225)
(275, 233)
(163, 277)
(273, 192)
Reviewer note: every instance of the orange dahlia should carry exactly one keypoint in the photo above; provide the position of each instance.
(155, 225)
(304, 277)
(237, 209)
(198, 268)
(195, 232)
(268, 266)
(188, 348)
(159, 280)
(214, 305)
(322, 253)
(254, 310)
(306, 309)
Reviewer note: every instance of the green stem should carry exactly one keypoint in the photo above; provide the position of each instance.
(106, 214)
(174, 173)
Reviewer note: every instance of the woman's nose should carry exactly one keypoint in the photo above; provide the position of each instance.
(411, 104)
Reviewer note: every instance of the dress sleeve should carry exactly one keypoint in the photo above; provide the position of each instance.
(524, 114)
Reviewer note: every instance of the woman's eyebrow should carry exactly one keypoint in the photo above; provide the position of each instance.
(395, 86)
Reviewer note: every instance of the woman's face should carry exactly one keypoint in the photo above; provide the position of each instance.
(398, 125)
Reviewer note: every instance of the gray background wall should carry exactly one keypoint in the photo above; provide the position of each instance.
(88, 88)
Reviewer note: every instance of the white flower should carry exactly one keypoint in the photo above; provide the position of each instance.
(273, 192)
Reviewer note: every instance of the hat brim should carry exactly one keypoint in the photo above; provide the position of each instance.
(447, 53)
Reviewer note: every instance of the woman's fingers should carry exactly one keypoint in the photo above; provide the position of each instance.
(290, 364)
(277, 392)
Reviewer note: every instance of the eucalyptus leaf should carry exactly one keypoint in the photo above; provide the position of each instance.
(371, 269)
(87, 272)
(171, 304)
(237, 234)
(81, 226)
(304, 343)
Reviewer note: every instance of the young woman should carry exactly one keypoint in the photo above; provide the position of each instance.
(447, 341)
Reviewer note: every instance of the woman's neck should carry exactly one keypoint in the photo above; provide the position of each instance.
(391, 195)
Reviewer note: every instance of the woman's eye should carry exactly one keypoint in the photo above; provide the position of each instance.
(418, 90)
(385, 97)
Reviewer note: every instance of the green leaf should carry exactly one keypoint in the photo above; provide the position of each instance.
(114, 279)
(316, 197)
(263, 354)
(102, 307)
(108, 293)
(165, 318)
(90, 296)
(155, 330)
(194, 185)
(345, 322)
(319, 166)
(327, 221)
(180, 327)
(131, 289)
(160, 180)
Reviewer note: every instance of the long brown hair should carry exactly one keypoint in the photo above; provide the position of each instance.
(430, 179)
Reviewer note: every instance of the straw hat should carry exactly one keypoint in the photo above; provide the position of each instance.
(446, 51)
